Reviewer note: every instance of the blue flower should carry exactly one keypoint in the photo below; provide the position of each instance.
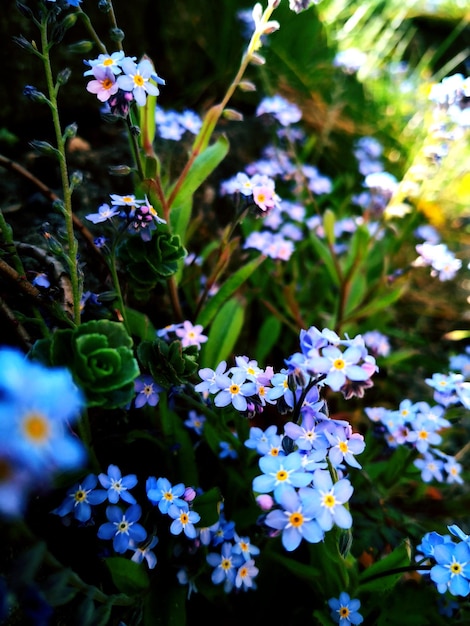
(279, 472)
(183, 521)
(234, 390)
(105, 212)
(144, 552)
(118, 485)
(136, 78)
(225, 565)
(345, 610)
(80, 498)
(37, 407)
(122, 527)
(160, 491)
(147, 391)
(452, 569)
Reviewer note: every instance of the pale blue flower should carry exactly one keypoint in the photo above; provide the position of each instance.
(122, 527)
(345, 610)
(117, 485)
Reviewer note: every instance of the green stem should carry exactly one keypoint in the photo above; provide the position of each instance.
(117, 285)
(66, 188)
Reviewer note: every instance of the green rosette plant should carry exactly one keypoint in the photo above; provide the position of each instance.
(100, 357)
(148, 263)
(169, 363)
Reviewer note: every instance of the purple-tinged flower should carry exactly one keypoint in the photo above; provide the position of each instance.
(339, 366)
(285, 112)
(160, 491)
(80, 498)
(147, 391)
(105, 212)
(344, 446)
(344, 610)
(234, 391)
(137, 79)
(144, 552)
(245, 575)
(191, 335)
(210, 377)
(122, 527)
(225, 565)
(195, 422)
(296, 519)
(104, 84)
(117, 485)
(183, 521)
(307, 435)
(329, 499)
(280, 388)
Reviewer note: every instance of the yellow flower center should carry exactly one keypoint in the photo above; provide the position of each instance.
(343, 446)
(456, 568)
(139, 81)
(107, 62)
(107, 83)
(329, 500)
(344, 612)
(123, 526)
(36, 427)
(80, 495)
(296, 519)
(282, 475)
(339, 364)
(234, 389)
(226, 564)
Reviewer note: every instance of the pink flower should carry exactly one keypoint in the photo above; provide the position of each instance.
(264, 197)
(104, 85)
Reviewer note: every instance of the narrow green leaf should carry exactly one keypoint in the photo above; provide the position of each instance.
(267, 337)
(204, 164)
(379, 303)
(326, 256)
(235, 281)
(223, 334)
(357, 292)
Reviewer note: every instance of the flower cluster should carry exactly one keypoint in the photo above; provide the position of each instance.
(419, 426)
(118, 80)
(325, 359)
(442, 261)
(137, 215)
(38, 407)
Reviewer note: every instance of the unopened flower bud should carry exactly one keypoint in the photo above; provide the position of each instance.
(34, 95)
(247, 85)
(265, 502)
(76, 178)
(189, 494)
(81, 47)
(70, 131)
(63, 76)
(44, 148)
(257, 59)
(119, 170)
(104, 5)
(234, 116)
(116, 34)
(68, 21)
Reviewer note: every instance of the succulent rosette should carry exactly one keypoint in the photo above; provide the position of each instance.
(100, 357)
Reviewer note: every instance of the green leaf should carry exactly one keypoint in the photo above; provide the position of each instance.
(326, 256)
(380, 576)
(357, 291)
(223, 333)
(267, 337)
(140, 325)
(235, 281)
(129, 577)
(379, 303)
(204, 164)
